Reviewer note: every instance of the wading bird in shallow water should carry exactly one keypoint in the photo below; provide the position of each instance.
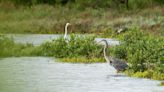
(118, 64)
(66, 31)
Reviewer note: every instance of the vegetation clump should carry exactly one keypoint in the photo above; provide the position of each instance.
(91, 16)
(10, 48)
(83, 48)
(162, 84)
(144, 52)
(90, 3)
(78, 49)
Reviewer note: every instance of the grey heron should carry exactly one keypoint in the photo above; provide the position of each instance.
(118, 64)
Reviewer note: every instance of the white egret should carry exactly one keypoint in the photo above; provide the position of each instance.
(66, 31)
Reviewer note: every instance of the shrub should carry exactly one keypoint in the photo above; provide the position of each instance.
(78, 49)
(134, 4)
(77, 46)
(33, 2)
(9, 48)
(143, 51)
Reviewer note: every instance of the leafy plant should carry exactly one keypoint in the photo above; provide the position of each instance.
(9, 48)
(77, 46)
(78, 49)
(143, 51)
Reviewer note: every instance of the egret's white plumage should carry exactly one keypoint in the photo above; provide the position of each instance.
(66, 31)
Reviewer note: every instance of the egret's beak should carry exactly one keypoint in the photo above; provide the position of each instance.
(69, 24)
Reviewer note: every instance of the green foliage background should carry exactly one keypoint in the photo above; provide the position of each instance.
(143, 51)
(87, 3)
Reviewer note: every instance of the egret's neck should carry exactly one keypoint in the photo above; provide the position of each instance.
(65, 34)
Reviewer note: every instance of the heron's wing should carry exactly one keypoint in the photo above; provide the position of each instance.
(119, 64)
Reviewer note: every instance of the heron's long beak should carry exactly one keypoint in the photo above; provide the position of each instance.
(100, 41)
(106, 43)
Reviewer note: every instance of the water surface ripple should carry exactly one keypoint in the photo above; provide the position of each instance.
(42, 74)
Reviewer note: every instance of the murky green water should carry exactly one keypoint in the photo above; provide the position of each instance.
(41, 74)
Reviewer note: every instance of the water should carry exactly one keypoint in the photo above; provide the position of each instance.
(35, 39)
(38, 39)
(41, 74)
(111, 42)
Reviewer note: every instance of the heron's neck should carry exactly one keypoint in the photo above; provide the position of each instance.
(65, 34)
(107, 58)
(105, 52)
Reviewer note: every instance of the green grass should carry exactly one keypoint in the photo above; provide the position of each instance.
(146, 74)
(90, 3)
(9, 48)
(162, 84)
(46, 19)
(82, 60)
(143, 51)
(78, 49)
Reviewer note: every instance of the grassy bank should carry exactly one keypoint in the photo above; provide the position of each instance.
(83, 60)
(51, 19)
(77, 50)
(143, 51)
(9, 48)
(162, 84)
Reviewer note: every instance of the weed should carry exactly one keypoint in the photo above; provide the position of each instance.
(143, 51)
(162, 84)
